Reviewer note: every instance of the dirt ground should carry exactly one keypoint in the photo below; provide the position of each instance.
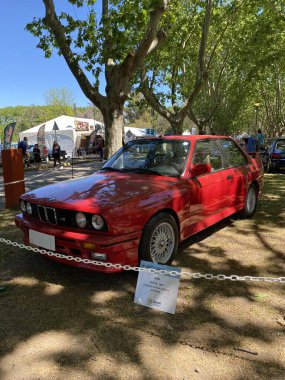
(59, 322)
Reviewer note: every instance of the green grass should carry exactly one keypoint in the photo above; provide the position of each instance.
(45, 300)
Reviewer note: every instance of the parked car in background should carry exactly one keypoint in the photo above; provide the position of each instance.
(150, 196)
(275, 154)
(31, 153)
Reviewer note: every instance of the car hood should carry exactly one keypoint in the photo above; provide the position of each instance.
(100, 190)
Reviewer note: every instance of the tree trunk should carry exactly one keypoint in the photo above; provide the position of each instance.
(177, 126)
(119, 76)
(113, 121)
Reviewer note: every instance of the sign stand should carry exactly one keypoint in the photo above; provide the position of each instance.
(156, 290)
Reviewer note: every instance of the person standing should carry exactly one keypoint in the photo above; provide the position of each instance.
(100, 147)
(37, 156)
(260, 140)
(45, 153)
(56, 154)
(24, 146)
(251, 144)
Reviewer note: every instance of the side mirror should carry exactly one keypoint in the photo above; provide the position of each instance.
(200, 169)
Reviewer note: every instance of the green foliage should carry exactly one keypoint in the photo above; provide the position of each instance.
(244, 59)
(93, 39)
(246, 40)
(61, 99)
(26, 117)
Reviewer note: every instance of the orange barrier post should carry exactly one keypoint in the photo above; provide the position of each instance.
(13, 171)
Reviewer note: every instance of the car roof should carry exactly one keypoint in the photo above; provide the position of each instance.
(275, 139)
(182, 137)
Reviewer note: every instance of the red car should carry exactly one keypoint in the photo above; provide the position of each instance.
(152, 194)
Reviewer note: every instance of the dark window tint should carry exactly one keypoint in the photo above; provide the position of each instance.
(208, 152)
(232, 154)
(280, 145)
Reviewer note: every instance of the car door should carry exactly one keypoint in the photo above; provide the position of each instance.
(208, 192)
(237, 168)
(278, 154)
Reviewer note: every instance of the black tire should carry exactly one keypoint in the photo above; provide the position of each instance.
(159, 241)
(250, 202)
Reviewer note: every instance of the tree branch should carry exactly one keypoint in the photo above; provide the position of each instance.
(235, 10)
(190, 113)
(153, 101)
(151, 41)
(201, 71)
(57, 29)
(173, 88)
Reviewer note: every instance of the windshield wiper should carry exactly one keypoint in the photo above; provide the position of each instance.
(109, 168)
(132, 170)
(142, 170)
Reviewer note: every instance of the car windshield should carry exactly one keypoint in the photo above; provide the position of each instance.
(151, 156)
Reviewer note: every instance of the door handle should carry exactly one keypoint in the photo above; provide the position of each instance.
(229, 177)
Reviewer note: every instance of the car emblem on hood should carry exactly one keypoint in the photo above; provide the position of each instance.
(51, 199)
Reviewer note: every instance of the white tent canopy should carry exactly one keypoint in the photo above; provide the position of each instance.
(69, 132)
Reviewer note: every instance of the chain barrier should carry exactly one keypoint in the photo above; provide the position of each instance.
(207, 276)
(22, 180)
(12, 183)
(29, 179)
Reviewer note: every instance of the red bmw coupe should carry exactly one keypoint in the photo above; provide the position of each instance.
(151, 195)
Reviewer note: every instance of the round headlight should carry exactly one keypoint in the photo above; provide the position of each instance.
(23, 206)
(80, 219)
(29, 208)
(97, 222)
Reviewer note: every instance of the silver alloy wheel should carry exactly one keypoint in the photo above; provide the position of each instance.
(251, 200)
(162, 243)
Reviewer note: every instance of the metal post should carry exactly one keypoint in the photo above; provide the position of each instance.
(72, 165)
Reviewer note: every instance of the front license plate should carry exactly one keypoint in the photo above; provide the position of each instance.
(42, 240)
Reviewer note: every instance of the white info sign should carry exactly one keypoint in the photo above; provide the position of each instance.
(158, 291)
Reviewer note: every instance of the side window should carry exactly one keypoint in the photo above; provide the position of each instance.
(208, 152)
(280, 145)
(233, 154)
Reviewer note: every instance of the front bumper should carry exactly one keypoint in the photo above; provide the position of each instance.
(121, 249)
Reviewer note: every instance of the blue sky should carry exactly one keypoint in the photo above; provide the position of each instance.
(25, 74)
